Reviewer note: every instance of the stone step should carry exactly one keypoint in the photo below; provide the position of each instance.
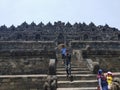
(74, 72)
(72, 66)
(73, 69)
(77, 83)
(81, 88)
(80, 63)
(72, 60)
(24, 76)
(77, 77)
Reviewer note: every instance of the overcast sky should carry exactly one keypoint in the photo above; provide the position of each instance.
(100, 12)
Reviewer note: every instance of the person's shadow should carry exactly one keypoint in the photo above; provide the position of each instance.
(71, 78)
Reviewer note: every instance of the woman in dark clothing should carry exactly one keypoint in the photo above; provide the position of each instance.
(68, 63)
(102, 81)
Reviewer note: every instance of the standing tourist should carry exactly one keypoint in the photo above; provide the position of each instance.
(63, 52)
(102, 80)
(109, 79)
(68, 63)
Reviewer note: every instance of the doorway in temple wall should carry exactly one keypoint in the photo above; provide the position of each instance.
(60, 39)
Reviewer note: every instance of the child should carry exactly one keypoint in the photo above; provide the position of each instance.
(109, 79)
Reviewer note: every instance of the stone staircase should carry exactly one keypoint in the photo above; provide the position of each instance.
(83, 79)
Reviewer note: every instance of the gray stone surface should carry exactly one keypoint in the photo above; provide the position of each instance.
(59, 32)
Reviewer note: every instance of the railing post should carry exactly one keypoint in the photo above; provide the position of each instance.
(93, 66)
(51, 81)
(52, 67)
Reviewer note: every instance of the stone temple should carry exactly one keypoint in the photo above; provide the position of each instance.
(59, 32)
(30, 57)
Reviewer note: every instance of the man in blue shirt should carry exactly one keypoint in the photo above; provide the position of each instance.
(63, 52)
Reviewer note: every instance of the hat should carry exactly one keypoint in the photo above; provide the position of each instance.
(100, 71)
(110, 73)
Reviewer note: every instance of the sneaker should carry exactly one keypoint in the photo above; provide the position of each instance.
(67, 75)
(71, 78)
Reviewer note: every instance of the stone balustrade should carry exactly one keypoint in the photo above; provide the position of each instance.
(25, 62)
(26, 45)
(108, 59)
(96, 45)
(51, 80)
(93, 66)
(22, 82)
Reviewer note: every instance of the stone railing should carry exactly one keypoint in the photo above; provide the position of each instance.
(25, 62)
(51, 81)
(28, 53)
(100, 53)
(96, 45)
(93, 66)
(27, 70)
(26, 45)
(16, 66)
(78, 54)
(22, 82)
(52, 67)
(108, 59)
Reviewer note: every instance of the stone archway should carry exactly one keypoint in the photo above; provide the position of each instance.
(60, 38)
(19, 36)
(85, 37)
(37, 37)
(118, 36)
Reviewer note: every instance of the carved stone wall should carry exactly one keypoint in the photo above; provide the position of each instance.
(21, 82)
(23, 65)
(25, 62)
(108, 59)
(107, 53)
(96, 45)
(29, 57)
(27, 45)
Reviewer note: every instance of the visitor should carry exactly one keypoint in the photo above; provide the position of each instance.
(68, 63)
(63, 52)
(102, 80)
(109, 79)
